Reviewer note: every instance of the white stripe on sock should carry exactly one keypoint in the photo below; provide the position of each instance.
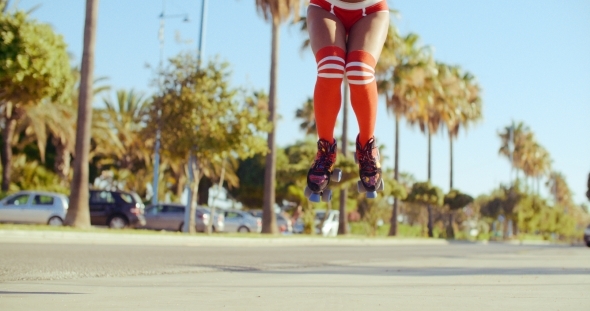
(359, 82)
(327, 58)
(331, 66)
(330, 75)
(360, 65)
(354, 73)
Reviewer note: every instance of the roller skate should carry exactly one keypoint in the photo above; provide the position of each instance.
(368, 158)
(322, 172)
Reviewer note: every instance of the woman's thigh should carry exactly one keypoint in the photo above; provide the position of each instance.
(369, 33)
(324, 29)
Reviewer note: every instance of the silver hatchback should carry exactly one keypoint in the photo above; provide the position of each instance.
(170, 216)
(243, 222)
(35, 207)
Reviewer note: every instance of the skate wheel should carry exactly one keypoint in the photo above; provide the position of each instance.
(361, 188)
(327, 195)
(336, 175)
(371, 194)
(315, 197)
(381, 186)
(307, 192)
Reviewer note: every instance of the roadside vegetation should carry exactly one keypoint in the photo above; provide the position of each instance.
(228, 132)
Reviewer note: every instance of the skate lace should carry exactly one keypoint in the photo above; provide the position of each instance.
(367, 161)
(324, 160)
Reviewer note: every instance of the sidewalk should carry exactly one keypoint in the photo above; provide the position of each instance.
(109, 238)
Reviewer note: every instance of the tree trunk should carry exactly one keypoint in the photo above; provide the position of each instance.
(393, 229)
(180, 178)
(505, 227)
(62, 160)
(429, 155)
(430, 222)
(212, 207)
(193, 186)
(269, 222)
(451, 164)
(342, 219)
(450, 225)
(78, 213)
(7, 136)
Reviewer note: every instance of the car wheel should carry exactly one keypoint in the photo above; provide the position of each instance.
(181, 226)
(588, 244)
(55, 221)
(243, 229)
(117, 222)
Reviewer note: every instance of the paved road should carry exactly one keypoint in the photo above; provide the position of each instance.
(54, 276)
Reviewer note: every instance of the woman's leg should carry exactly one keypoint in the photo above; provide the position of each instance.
(365, 42)
(328, 43)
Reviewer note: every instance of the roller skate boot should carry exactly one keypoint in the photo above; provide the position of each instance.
(322, 172)
(367, 157)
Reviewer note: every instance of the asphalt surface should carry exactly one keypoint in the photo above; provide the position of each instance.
(34, 262)
(458, 276)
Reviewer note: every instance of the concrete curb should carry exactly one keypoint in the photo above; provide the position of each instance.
(60, 237)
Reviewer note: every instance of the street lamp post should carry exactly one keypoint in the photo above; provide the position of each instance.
(156, 179)
(192, 159)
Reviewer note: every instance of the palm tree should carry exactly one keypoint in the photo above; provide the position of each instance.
(126, 116)
(307, 117)
(514, 138)
(470, 112)
(559, 189)
(277, 11)
(458, 102)
(396, 51)
(25, 85)
(416, 86)
(55, 120)
(79, 214)
(407, 77)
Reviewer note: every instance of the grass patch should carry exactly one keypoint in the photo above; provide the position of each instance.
(403, 230)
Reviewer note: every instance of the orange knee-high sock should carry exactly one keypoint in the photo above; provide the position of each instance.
(327, 96)
(360, 72)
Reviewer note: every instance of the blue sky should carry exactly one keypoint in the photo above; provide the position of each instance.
(531, 58)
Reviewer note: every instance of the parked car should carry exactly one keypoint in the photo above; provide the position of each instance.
(284, 224)
(170, 216)
(587, 236)
(240, 221)
(204, 214)
(36, 207)
(116, 209)
(326, 225)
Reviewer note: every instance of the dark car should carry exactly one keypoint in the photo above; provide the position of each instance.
(587, 236)
(116, 209)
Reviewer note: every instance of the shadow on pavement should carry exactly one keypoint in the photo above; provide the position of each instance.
(429, 271)
(38, 293)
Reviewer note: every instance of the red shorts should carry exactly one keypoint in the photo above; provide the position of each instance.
(350, 13)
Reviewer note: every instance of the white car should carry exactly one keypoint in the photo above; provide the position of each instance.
(329, 227)
(34, 207)
(243, 222)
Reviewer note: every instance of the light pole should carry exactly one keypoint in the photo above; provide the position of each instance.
(162, 17)
(192, 159)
